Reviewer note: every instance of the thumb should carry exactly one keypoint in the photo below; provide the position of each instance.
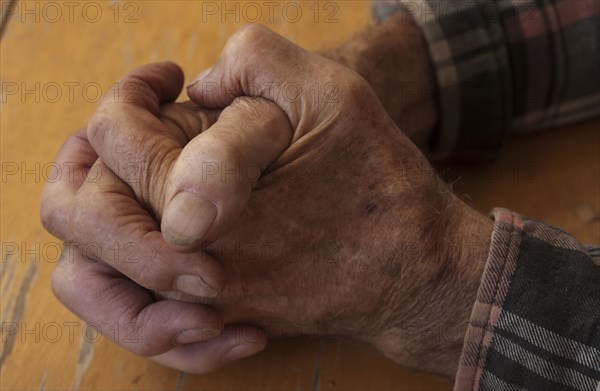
(213, 177)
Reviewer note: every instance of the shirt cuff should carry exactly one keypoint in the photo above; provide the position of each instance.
(494, 286)
(469, 56)
(534, 325)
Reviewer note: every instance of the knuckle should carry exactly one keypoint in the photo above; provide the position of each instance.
(354, 96)
(56, 283)
(75, 140)
(356, 88)
(77, 217)
(99, 128)
(61, 274)
(49, 216)
(88, 210)
(250, 41)
(52, 205)
(248, 34)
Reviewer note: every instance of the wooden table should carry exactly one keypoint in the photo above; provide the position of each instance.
(57, 57)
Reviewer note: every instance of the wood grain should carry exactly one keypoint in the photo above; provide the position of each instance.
(52, 69)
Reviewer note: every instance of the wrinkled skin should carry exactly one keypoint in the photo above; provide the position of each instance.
(346, 231)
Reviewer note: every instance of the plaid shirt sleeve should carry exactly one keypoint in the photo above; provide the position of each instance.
(506, 66)
(536, 322)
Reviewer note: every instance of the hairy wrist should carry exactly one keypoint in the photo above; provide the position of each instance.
(393, 58)
(427, 314)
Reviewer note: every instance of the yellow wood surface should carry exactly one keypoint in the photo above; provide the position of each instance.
(57, 56)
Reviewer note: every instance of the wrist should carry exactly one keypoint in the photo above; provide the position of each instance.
(469, 236)
(428, 318)
(394, 59)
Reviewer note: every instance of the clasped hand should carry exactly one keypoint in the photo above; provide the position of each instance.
(281, 194)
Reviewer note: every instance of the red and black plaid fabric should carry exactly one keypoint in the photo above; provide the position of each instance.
(536, 322)
(506, 66)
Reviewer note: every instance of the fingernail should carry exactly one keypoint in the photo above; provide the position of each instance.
(187, 219)
(195, 286)
(200, 76)
(196, 335)
(242, 351)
